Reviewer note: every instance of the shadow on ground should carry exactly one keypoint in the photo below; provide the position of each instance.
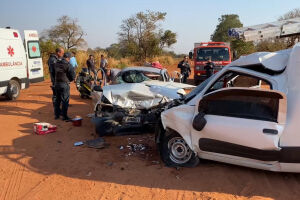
(56, 154)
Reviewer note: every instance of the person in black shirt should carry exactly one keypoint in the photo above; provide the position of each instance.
(209, 68)
(64, 74)
(91, 65)
(185, 68)
(59, 52)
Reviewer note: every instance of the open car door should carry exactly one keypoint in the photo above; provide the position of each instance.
(34, 57)
(234, 123)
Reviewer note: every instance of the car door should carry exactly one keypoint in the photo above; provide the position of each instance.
(241, 122)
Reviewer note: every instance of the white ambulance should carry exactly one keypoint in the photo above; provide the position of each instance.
(19, 64)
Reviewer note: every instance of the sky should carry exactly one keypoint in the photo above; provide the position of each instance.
(192, 20)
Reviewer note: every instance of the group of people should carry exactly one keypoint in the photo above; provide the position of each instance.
(185, 68)
(62, 68)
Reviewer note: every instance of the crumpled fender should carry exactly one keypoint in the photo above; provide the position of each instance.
(180, 120)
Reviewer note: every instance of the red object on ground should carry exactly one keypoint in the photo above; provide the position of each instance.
(43, 128)
(77, 121)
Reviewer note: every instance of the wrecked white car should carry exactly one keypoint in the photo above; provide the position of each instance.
(133, 108)
(247, 114)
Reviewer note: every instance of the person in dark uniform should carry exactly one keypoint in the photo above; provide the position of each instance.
(91, 64)
(185, 68)
(59, 52)
(64, 74)
(209, 68)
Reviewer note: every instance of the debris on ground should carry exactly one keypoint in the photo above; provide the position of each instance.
(98, 143)
(141, 146)
(43, 128)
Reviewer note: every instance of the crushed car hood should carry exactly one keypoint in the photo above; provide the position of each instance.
(143, 95)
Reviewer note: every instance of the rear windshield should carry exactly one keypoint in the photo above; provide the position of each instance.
(34, 49)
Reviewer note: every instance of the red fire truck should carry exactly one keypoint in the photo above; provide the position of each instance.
(218, 52)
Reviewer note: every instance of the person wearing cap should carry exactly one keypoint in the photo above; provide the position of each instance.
(64, 74)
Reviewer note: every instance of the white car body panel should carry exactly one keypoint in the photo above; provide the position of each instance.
(286, 64)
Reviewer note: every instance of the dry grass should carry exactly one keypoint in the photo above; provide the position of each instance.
(167, 61)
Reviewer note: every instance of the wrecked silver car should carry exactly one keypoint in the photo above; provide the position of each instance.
(133, 108)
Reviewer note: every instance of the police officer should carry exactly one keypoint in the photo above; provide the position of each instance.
(209, 68)
(185, 68)
(59, 52)
(64, 74)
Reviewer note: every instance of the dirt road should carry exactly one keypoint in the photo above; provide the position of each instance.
(50, 167)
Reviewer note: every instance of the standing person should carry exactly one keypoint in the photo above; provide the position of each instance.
(91, 64)
(64, 74)
(111, 74)
(185, 68)
(59, 52)
(73, 61)
(209, 68)
(103, 64)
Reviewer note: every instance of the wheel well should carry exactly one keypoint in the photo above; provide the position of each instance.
(16, 79)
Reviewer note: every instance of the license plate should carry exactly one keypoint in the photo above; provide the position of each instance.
(132, 119)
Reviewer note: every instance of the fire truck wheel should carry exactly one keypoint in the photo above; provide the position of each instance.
(13, 90)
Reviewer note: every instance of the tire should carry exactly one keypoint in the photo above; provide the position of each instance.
(175, 152)
(196, 82)
(13, 90)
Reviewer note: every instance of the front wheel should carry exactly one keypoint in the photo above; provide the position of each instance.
(13, 90)
(175, 152)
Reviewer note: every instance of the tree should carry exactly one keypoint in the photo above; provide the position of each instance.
(141, 37)
(225, 23)
(271, 45)
(67, 33)
(242, 47)
(289, 15)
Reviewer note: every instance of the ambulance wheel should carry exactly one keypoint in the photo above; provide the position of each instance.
(175, 152)
(13, 90)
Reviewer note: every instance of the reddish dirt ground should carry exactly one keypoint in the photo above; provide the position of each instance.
(50, 167)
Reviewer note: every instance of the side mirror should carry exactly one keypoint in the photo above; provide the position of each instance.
(199, 121)
(191, 55)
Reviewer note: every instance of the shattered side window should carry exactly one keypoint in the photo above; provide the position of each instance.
(235, 79)
(259, 105)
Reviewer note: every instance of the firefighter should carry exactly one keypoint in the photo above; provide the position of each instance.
(59, 52)
(64, 74)
(185, 68)
(209, 68)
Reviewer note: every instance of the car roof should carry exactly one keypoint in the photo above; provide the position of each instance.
(146, 69)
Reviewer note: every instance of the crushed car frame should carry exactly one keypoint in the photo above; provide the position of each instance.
(247, 114)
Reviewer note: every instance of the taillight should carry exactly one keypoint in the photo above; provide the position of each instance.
(15, 34)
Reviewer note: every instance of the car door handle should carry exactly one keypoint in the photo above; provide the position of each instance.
(270, 131)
